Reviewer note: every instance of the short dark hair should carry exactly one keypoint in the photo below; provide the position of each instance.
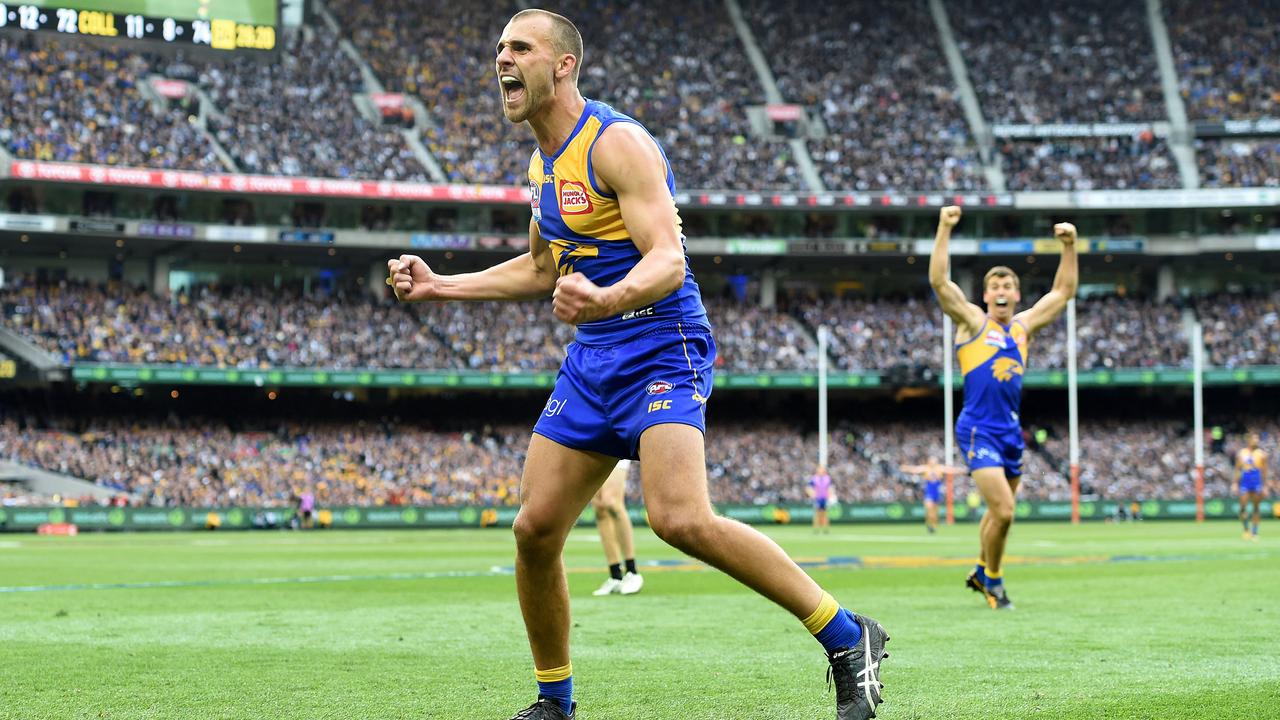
(1001, 271)
(564, 35)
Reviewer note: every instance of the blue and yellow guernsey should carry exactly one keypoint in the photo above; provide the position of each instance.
(584, 227)
(1251, 462)
(993, 362)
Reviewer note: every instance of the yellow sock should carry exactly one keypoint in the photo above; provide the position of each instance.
(827, 609)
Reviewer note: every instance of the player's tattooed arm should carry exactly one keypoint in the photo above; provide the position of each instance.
(968, 317)
(526, 277)
(1049, 307)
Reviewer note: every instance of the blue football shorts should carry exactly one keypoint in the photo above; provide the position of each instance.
(984, 448)
(933, 491)
(1250, 483)
(606, 396)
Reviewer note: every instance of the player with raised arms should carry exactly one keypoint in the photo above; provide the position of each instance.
(933, 473)
(605, 244)
(1251, 469)
(991, 346)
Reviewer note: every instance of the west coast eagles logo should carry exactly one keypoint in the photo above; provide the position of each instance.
(574, 199)
(1003, 369)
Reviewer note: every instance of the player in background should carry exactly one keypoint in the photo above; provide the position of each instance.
(1251, 472)
(614, 525)
(991, 346)
(819, 488)
(306, 509)
(933, 473)
(605, 245)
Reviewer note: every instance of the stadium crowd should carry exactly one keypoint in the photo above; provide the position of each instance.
(1141, 162)
(883, 90)
(1239, 162)
(1080, 62)
(297, 116)
(875, 84)
(1224, 52)
(196, 463)
(211, 462)
(251, 327)
(1241, 330)
(81, 103)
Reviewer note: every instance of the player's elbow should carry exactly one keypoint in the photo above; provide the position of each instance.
(672, 264)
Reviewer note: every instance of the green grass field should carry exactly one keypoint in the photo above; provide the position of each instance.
(256, 12)
(368, 624)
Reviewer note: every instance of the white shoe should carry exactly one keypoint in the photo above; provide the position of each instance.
(631, 583)
(610, 587)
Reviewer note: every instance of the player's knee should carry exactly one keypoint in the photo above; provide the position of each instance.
(535, 534)
(1001, 513)
(679, 530)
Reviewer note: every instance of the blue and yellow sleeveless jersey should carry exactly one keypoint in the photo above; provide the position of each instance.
(993, 362)
(1251, 462)
(583, 224)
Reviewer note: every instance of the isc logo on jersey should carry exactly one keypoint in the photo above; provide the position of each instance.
(995, 338)
(574, 199)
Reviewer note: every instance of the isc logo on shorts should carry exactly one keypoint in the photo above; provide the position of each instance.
(574, 199)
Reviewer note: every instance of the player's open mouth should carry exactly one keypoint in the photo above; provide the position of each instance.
(512, 88)
(1001, 302)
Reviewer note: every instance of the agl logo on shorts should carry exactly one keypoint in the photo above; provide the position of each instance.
(658, 387)
(573, 198)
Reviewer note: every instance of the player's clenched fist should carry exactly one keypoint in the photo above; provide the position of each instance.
(577, 300)
(411, 278)
(1066, 232)
(949, 216)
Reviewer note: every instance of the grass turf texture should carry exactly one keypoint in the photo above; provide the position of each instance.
(1189, 631)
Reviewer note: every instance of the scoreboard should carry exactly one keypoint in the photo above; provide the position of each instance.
(218, 24)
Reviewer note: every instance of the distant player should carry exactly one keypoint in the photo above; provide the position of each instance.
(819, 488)
(306, 509)
(991, 346)
(1251, 467)
(614, 525)
(605, 245)
(933, 473)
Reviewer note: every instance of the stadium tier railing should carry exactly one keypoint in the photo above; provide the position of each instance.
(173, 180)
(29, 519)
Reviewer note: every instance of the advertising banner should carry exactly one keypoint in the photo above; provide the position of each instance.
(28, 519)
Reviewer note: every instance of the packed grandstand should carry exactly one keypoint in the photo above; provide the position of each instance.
(881, 108)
